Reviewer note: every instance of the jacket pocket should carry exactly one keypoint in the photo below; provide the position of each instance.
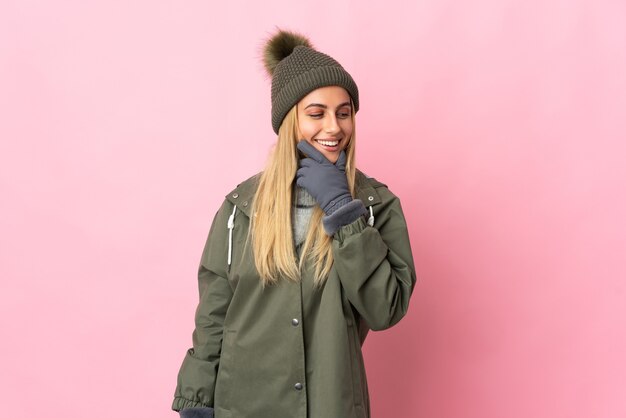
(223, 387)
(355, 364)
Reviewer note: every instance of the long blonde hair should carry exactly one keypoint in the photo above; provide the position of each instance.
(271, 224)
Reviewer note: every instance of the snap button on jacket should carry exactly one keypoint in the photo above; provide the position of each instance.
(290, 350)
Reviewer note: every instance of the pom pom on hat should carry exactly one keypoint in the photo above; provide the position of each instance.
(280, 46)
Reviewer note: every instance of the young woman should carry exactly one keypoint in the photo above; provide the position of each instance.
(301, 261)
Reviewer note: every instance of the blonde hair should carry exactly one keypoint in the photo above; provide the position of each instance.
(271, 223)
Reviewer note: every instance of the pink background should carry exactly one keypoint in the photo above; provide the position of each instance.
(500, 124)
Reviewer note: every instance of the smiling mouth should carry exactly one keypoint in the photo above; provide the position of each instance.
(328, 143)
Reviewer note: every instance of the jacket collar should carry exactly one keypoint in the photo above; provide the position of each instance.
(242, 195)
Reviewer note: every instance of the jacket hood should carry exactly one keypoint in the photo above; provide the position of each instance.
(365, 190)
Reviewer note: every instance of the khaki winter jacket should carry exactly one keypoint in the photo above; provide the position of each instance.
(291, 351)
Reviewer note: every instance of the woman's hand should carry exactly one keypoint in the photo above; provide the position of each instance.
(325, 181)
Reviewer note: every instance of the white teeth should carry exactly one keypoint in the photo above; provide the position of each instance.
(328, 143)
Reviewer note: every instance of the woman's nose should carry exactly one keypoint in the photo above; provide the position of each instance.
(330, 124)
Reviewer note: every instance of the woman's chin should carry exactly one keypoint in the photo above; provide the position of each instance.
(331, 156)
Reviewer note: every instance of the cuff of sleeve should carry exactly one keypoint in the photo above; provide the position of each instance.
(182, 403)
(346, 231)
(345, 215)
(204, 412)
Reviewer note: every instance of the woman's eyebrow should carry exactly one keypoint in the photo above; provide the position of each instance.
(326, 107)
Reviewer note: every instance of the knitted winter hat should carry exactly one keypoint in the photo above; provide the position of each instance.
(297, 69)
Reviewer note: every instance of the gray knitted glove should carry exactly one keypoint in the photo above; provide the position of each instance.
(325, 181)
(204, 412)
(328, 184)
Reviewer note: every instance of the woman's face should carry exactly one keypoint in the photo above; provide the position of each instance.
(324, 120)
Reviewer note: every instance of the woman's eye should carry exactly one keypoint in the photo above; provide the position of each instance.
(319, 115)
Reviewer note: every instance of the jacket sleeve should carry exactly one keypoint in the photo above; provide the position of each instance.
(197, 413)
(375, 264)
(198, 372)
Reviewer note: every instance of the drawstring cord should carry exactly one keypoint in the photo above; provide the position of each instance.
(370, 221)
(231, 225)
